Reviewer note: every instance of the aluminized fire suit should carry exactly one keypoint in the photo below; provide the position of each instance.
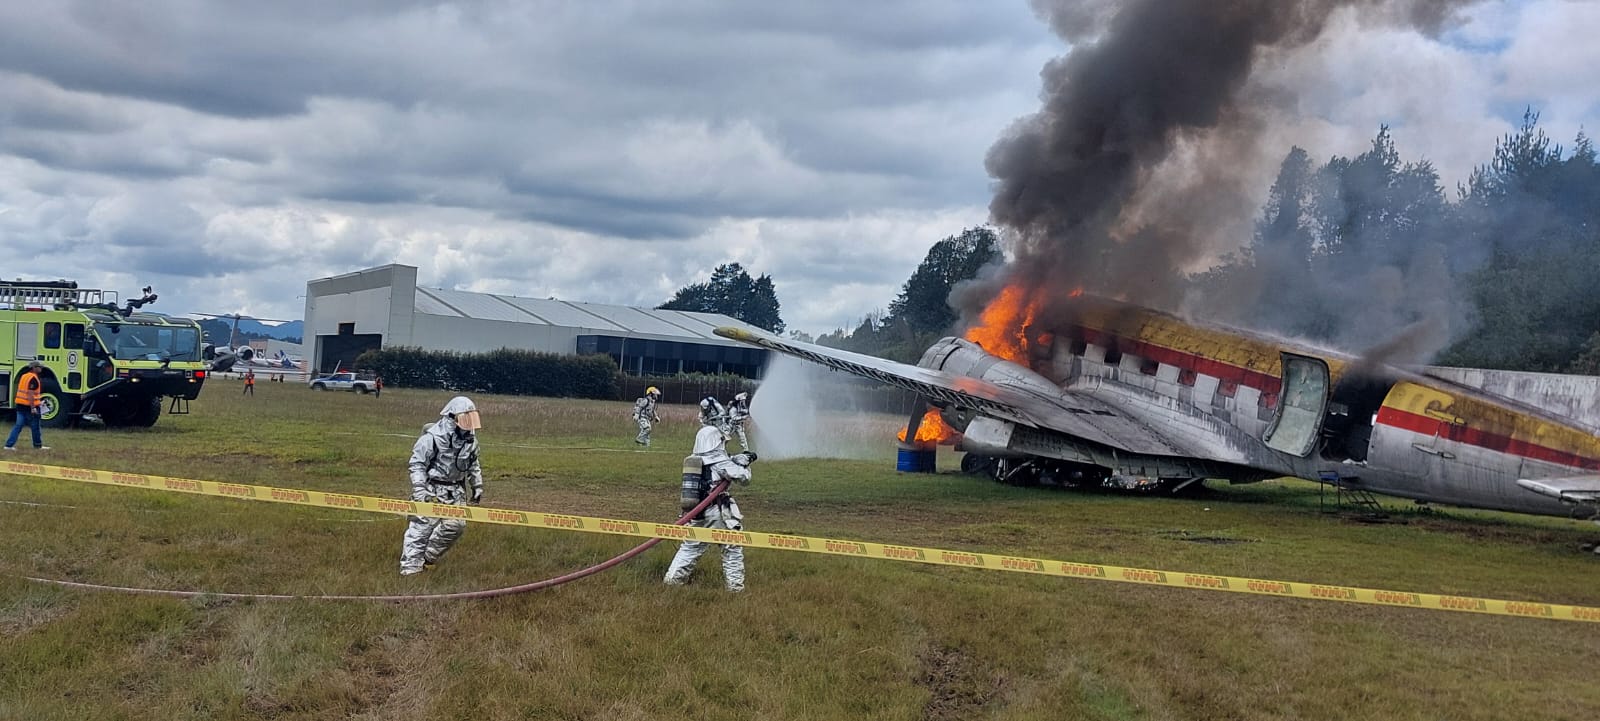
(711, 456)
(444, 469)
(644, 411)
(713, 414)
(738, 413)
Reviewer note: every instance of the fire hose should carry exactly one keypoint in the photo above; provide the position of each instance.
(689, 515)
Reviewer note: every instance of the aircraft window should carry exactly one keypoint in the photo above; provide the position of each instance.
(1113, 357)
(1227, 388)
(1078, 347)
(1186, 377)
(1104, 413)
(1149, 366)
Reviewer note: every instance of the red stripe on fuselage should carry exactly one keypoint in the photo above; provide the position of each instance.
(1429, 426)
(1266, 383)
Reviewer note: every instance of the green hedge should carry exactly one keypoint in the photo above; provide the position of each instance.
(507, 371)
(687, 388)
(833, 391)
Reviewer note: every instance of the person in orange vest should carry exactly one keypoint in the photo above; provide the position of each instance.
(377, 387)
(249, 383)
(26, 403)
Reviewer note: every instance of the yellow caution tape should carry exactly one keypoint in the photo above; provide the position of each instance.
(837, 547)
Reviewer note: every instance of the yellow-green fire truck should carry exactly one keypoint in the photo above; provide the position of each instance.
(99, 360)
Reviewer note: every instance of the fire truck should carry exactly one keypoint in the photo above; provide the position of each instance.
(100, 360)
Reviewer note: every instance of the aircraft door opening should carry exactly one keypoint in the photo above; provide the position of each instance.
(1303, 400)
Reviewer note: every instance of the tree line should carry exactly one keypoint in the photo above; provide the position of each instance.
(1371, 254)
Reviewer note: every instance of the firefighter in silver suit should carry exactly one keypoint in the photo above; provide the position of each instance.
(738, 414)
(703, 470)
(444, 469)
(712, 413)
(644, 411)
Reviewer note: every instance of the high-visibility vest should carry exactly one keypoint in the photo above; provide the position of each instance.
(27, 390)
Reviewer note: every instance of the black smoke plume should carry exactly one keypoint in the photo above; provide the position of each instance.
(1142, 161)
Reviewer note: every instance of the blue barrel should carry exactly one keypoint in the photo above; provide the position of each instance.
(915, 460)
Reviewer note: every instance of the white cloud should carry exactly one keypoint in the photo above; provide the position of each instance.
(614, 153)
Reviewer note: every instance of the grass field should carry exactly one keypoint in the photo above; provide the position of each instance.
(814, 637)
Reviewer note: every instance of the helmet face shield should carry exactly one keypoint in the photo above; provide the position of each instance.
(469, 421)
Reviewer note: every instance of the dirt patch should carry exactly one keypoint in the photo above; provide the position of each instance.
(1192, 537)
(957, 690)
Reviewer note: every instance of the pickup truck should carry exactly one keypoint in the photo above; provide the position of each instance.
(360, 383)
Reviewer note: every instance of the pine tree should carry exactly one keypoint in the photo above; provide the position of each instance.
(732, 292)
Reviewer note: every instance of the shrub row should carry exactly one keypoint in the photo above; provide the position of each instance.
(507, 371)
(688, 388)
(833, 392)
(522, 372)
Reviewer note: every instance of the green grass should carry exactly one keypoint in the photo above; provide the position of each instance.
(814, 637)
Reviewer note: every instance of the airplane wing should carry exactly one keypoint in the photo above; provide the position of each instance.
(1074, 414)
(1573, 489)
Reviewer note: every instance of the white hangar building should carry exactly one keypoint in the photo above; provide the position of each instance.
(383, 307)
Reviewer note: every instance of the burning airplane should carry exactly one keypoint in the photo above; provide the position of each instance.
(1096, 392)
(1135, 170)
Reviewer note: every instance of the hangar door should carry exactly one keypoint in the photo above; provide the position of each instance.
(341, 351)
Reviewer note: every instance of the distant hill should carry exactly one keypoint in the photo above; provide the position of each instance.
(217, 330)
(291, 332)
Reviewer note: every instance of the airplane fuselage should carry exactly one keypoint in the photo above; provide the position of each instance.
(1224, 397)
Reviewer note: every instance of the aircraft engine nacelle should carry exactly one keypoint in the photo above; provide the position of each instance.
(961, 357)
(988, 437)
(245, 353)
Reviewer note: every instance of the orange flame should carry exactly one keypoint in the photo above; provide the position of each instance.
(933, 430)
(1003, 327)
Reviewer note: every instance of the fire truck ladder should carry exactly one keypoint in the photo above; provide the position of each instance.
(1347, 496)
(21, 296)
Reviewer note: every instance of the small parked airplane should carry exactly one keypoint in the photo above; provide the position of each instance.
(280, 363)
(1116, 395)
(237, 360)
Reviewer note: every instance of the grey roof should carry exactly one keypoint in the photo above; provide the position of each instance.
(591, 318)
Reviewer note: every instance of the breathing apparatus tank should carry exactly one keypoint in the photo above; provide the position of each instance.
(693, 489)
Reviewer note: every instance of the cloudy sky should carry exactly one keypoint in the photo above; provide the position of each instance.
(226, 152)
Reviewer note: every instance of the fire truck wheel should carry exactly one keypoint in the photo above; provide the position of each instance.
(55, 409)
(146, 412)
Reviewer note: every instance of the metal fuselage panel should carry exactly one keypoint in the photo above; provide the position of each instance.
(1441, 444)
